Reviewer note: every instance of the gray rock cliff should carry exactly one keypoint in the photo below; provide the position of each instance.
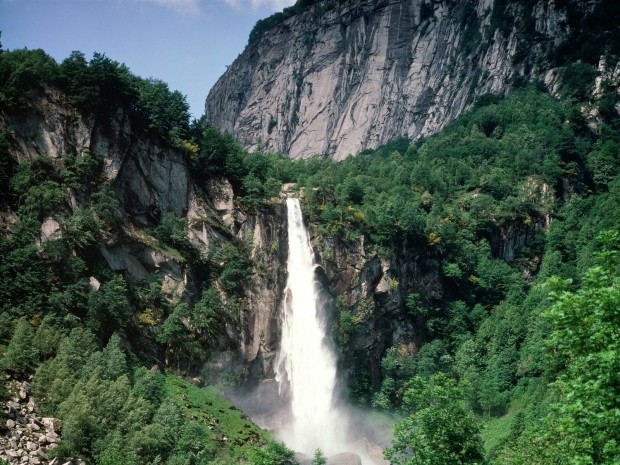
(149, 179)
(339, 77)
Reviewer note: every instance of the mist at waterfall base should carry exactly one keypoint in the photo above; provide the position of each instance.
(304, 407)
(306, 367)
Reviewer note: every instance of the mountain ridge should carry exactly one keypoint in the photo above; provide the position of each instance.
(333, 78)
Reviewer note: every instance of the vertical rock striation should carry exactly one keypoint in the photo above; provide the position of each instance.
(338, 77)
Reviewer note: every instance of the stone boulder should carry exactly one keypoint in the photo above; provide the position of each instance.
(28, 437)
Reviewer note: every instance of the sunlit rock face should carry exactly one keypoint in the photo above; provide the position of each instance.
(340, 77)
(149, 177)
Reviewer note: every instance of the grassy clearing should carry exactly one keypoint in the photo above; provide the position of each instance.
(233, 433)
(495, 431)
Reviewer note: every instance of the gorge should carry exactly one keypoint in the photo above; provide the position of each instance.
(464, 284)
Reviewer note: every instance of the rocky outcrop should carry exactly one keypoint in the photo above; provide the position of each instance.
(260, 335)
(28, 436)
(374, 290)
(340, 77)
(150, 178)
(50, 229)
(52, 128)
(264, 235)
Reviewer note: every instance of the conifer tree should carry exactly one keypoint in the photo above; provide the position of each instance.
(20, 356)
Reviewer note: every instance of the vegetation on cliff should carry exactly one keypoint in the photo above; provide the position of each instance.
(266, 24)
(88, 333)
(510, 195)
(527, 166)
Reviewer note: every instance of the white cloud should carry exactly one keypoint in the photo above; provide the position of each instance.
(274, 5)
(180, 6)
(194, 6)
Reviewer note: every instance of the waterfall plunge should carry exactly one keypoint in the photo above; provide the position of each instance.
(307, 363)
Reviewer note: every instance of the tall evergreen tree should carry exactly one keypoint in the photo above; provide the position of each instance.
(20, 357)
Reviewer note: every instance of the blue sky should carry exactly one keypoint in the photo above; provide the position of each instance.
(187, 43)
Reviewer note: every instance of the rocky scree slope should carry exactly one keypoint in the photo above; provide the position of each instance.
(29, 436)
(333, 78)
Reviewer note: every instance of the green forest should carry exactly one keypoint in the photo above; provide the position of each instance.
(518, 358)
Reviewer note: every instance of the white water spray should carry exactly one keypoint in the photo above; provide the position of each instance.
(307, 363)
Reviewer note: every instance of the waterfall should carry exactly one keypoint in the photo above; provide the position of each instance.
(306, 368)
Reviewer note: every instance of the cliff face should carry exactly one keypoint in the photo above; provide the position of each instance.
(148, 176)
(372, 289)
(339, 77)
(149, 179)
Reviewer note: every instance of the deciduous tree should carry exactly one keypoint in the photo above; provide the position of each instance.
(439, 430)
